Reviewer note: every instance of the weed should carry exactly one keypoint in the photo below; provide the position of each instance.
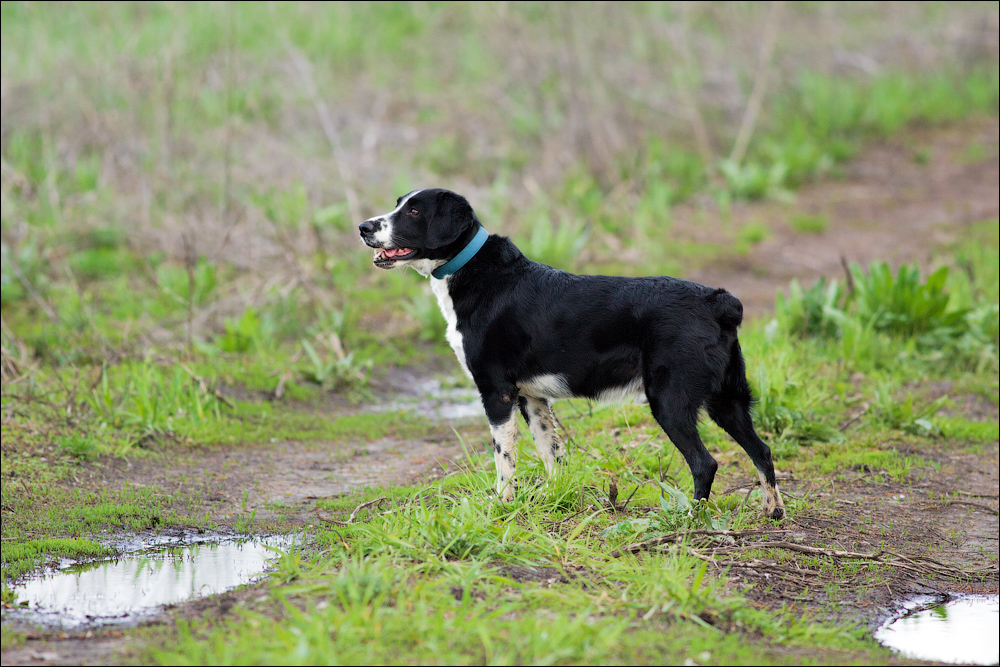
(811, 312)
(287, 565)
(902, 415)
(336, 370)
(809, 224)
(753, 180)
(556, 243)
(754, 233)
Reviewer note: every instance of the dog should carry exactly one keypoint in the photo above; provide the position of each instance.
(528, 334)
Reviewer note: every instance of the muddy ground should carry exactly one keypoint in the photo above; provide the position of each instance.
(897, 201)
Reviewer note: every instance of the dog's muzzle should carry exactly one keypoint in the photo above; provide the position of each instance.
(384, 257)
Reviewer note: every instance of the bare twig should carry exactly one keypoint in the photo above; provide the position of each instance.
(847, 272)
(190, 262)
(677, 537)
(279, 391)
(967, 503)
(698, 127)
(629, 499)
(818, 551)
(759, 85)
(304, 68)
(35, 296)
(975, 495)
(855, 418)
(364, 505)
(357, 509)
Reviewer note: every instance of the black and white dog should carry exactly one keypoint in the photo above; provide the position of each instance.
(528, 334)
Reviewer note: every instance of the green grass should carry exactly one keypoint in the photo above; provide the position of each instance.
(442, 572)
(24, 556)
(180, 273)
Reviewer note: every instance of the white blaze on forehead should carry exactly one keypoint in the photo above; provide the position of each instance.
(384, 234)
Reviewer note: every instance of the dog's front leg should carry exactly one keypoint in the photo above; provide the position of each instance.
(502, 413)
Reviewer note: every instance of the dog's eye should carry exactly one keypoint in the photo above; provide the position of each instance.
(414, 212)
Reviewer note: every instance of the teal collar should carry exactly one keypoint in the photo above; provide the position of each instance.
(462, 258)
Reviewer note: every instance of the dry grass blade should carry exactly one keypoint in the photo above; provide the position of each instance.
(679, 536)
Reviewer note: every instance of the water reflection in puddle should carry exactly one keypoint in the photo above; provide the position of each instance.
(135, 585)
(429, 398)
(963, 630)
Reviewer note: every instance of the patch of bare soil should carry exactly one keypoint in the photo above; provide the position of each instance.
(282, 482)
(897, 202)
(943, 515)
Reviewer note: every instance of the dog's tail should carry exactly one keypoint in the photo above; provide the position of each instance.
(727, 308)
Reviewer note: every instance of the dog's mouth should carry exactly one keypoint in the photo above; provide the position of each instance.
(386, 257)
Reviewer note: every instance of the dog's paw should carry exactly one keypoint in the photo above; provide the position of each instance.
(776, 513)
(506, 492)
(773, 507)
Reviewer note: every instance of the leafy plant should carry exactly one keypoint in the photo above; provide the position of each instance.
(788, 402)
(903, 415)
(809, 224)
(337, 369)
(249, 331)
(816, 311)
(753, 180)
(423, 308)
(903, 304)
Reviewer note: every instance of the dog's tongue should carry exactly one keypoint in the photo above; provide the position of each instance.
(392, 252)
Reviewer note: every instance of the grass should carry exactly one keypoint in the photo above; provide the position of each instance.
(180, 276)
(451, 575)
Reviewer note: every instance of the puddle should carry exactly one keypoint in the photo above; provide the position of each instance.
(134, 586)
(964, 629)
(430, 399)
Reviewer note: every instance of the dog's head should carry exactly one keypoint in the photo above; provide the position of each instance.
(425, 230)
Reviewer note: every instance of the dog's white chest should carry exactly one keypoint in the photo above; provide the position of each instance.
(454, 336)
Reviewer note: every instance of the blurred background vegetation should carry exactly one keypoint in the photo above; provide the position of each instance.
(182, 181)
(181, 188)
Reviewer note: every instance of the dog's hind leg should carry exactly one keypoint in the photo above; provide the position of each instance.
(730, 409)
(677, 413)
(542, 424)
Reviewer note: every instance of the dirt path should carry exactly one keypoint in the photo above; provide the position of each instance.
(897, 202)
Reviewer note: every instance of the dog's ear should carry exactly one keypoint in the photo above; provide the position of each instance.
(452, 217)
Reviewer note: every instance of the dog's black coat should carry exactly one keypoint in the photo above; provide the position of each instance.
(520, 320)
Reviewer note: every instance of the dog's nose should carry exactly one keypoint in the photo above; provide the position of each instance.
(367, 228)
